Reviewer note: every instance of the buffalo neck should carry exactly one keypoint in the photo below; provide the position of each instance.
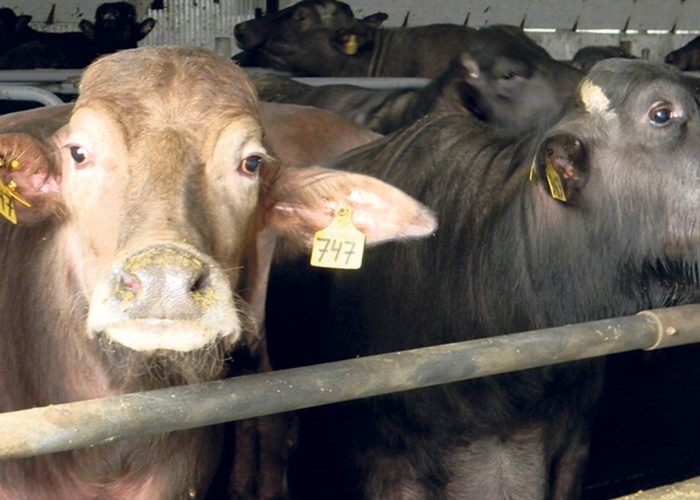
(381, 43)
(45, 317)
(47, 358)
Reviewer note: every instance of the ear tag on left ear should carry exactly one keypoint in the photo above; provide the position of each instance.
(340, 245)
(533, 177)
(555, 186)
(7, 204)
(350, 45)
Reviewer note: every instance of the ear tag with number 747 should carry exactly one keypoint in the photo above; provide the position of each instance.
(340, 245)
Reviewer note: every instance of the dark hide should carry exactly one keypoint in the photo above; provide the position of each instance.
(13, 28)
(143, 260)
(115, 28)
(365, 50)
(586, 57)
(302, 16)
(505, 79)
(380, 110)
(288, 23)
(687, 58)
(508, 257)
(512, 83)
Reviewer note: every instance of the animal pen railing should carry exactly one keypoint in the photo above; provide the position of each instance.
(62, 427)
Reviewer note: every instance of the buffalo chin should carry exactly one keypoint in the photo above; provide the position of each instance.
(134, 369)
(150, 335)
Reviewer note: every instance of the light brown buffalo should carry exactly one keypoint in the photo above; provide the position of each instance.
(144, 256)
(305, 135)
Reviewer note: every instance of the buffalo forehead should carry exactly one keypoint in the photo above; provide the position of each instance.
(612, 81)
(188, 85)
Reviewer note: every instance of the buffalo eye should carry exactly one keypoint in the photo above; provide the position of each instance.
(250, 164)
(508, 76)
(78, 153)
(660, 115)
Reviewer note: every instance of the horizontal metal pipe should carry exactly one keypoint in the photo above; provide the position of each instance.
(66, 426)
(26, 93)
(367, 82)
(38, 75)
(373, 82)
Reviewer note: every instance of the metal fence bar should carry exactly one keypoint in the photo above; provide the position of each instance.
(27, 93)
(66, 426)
(39, 75)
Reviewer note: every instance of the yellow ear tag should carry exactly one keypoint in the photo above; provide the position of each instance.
(533, 177)
(8, 195)
(555, 185)
(340, 245)
(350, 45)
(7, 204)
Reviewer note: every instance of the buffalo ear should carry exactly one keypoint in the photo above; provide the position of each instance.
(88, 29)
(145, 28)
(375, 20)
(470, 65)
(561, 163)
(22, 22)
(30, 180)
(297, 202)
(301, 201)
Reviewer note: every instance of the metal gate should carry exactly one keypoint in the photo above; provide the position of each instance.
(67, 426)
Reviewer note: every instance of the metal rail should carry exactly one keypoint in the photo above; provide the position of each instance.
(62, 427)
(27, 93)
(39, 75)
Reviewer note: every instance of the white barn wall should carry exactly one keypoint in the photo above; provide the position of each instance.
(209, 23)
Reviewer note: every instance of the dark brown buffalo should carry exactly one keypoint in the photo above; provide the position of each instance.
(508, 257)
(115, 28)
(504, 78)
(586, 57)
(380, 110)
(12, 28)
(687, 58)
(144, 256)
(511, 82)
(301, 17)
(353, 47)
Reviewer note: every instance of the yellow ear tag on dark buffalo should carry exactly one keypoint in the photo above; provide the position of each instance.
(554, 181)
(8, 195)
(340, 245)
(350, 45)
(532, 177)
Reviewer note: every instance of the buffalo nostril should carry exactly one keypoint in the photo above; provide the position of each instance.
(201, 281)
(129, 283)
(165, 281)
